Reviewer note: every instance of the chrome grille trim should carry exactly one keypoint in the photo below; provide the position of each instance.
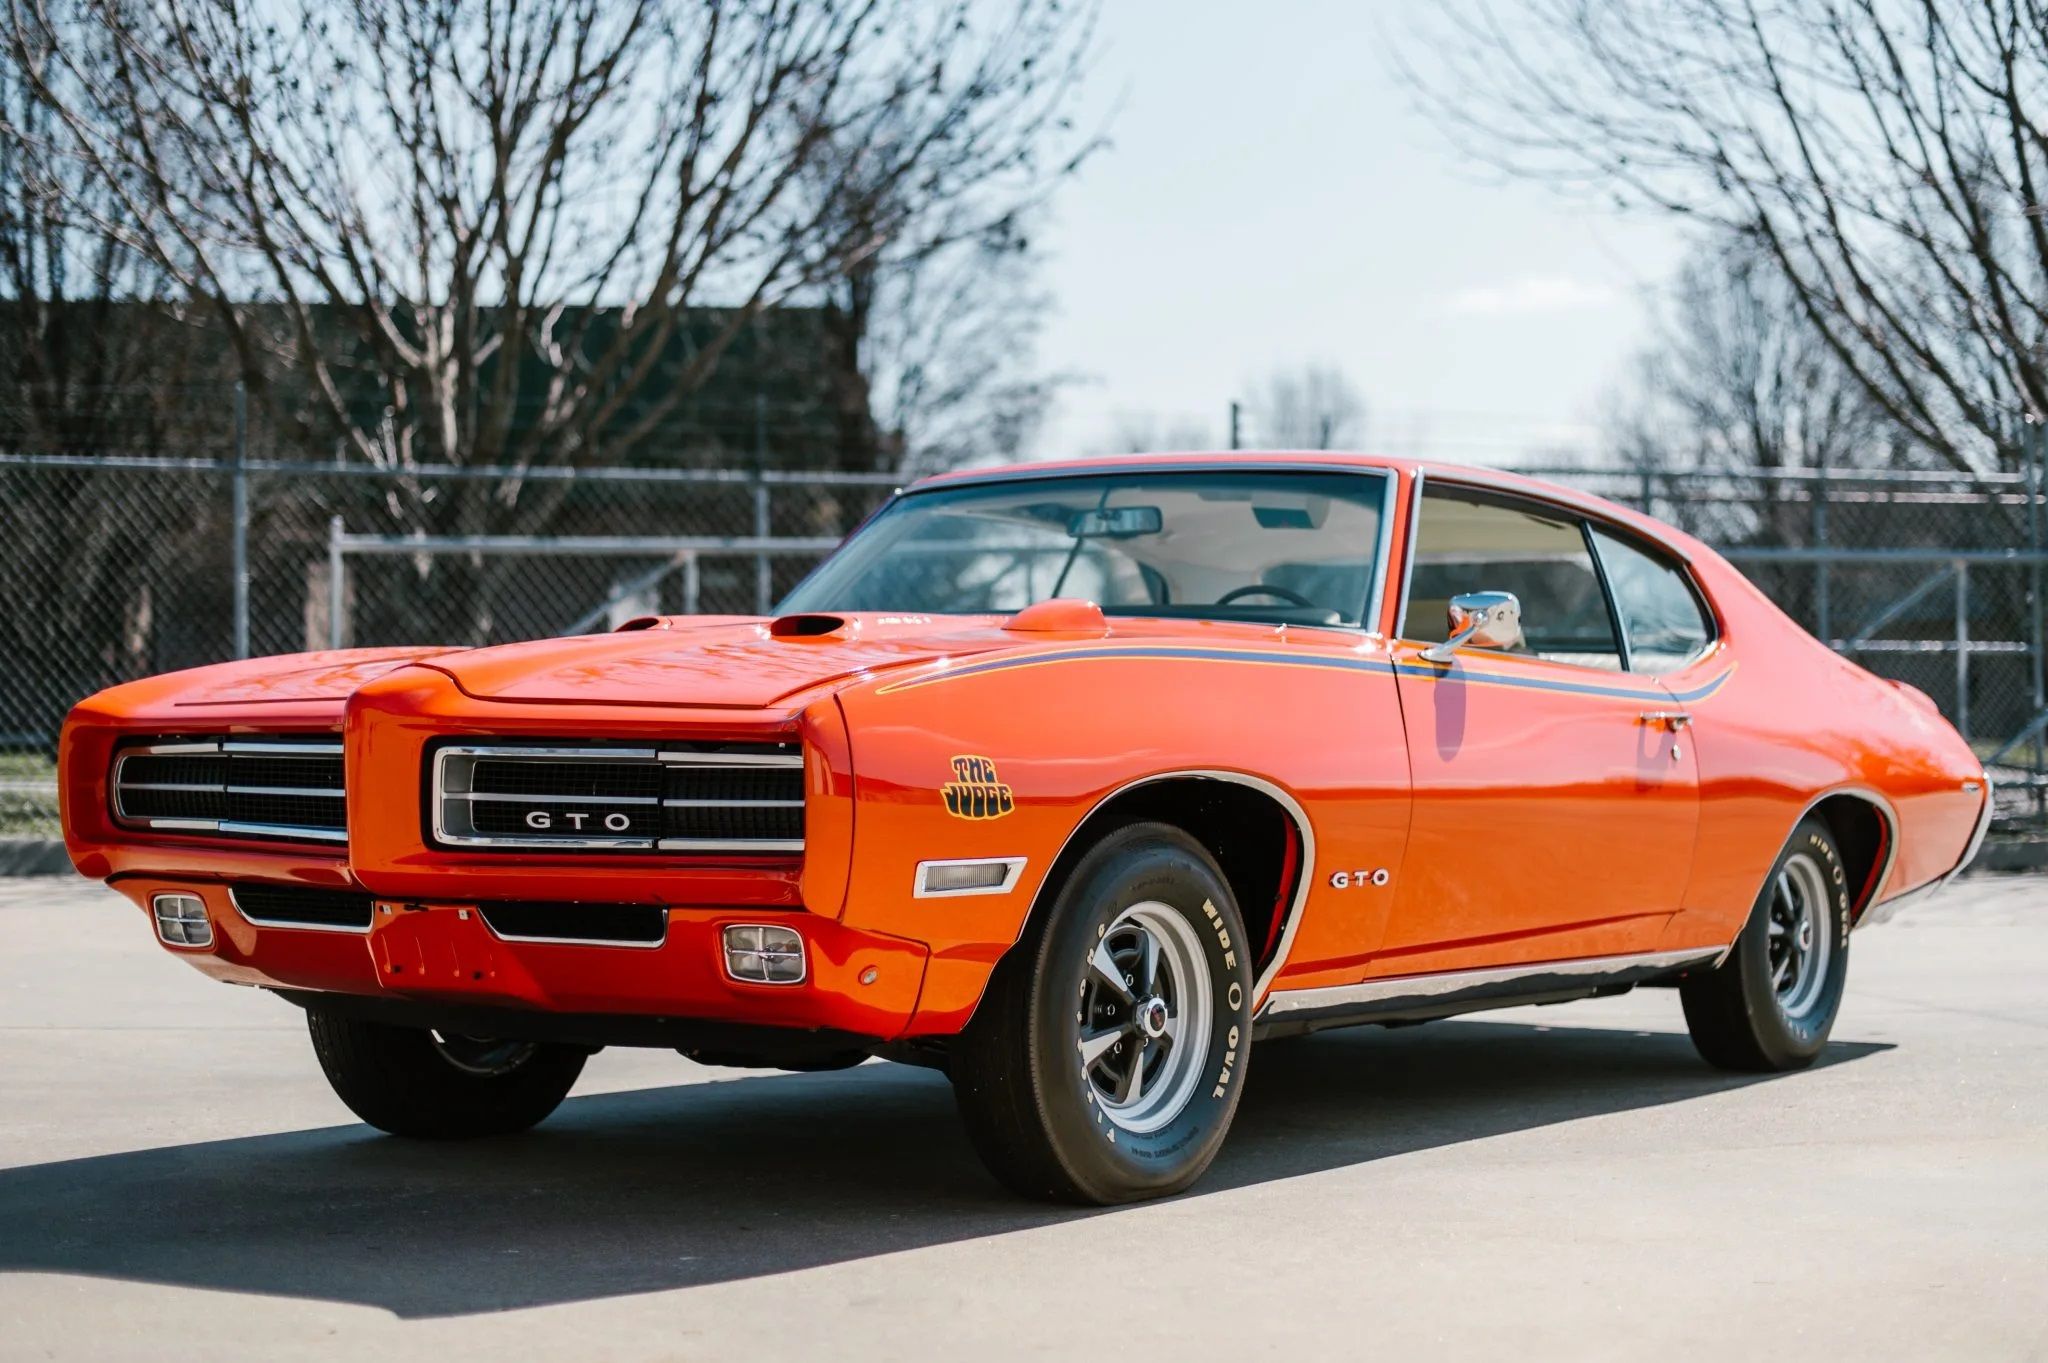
(566, 754)
(224, 823)
(241, 828)
(452, 812)
(310, 792)
(489, 797)
(736, 759)
(730, 844)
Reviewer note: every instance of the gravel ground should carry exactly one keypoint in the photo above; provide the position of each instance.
(176, 1181)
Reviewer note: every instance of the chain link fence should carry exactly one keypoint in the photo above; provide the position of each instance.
(115, 568)
(1932, 578)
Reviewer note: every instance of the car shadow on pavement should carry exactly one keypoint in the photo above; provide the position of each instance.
(703, 1183)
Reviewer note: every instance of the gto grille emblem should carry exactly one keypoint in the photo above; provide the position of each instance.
(975, 792)
(541, 820)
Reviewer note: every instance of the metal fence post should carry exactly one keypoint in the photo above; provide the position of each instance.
(693, 584)
(334, 588)
(2037, 653)
(763, 585)
(1963, 648)
(239, 483)
(1822, 614)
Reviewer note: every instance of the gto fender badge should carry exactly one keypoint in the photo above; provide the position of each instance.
(1345, 880)
(976, 792)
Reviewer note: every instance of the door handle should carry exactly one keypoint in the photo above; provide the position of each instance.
(1673, 720)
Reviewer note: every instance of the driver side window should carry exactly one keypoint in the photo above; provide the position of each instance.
(1470, 541)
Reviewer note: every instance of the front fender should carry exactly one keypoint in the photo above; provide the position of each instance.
(1055, 739)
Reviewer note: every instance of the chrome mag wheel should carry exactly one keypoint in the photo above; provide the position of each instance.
(1147, 1005)
(1769, 1005)
(482, 1057)
(1801, 935)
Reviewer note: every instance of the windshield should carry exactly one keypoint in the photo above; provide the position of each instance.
(1280, 547)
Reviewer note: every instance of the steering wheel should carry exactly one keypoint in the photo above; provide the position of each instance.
(1265, 589)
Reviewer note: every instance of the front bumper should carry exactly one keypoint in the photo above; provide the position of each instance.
(445, 956)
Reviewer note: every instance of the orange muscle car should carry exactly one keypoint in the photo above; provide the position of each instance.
(1072, 780)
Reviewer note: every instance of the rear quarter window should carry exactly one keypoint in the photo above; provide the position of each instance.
(1662, 617)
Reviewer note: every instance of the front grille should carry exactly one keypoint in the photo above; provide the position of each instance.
(643, 925)
(285, 906)
(278, 787)
(709, 798)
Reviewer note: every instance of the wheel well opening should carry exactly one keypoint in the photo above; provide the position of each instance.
(1251, 835)
(1862, 837)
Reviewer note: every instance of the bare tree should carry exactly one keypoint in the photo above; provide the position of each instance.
(1149, 433)
(953, 353)
(1735, 378)
(72, 380)
(477, 231)
(1886, 157)
(96, 354)
(1314, 407)
(933, 333)
(502, 232)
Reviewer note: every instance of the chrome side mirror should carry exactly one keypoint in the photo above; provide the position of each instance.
(1482, 620)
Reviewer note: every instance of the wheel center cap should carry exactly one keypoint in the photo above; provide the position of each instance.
(1152, 1017)
(1805, 934)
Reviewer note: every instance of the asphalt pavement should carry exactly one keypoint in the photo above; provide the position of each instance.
(176, 1181)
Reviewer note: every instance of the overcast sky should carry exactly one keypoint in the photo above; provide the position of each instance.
(1270, 198)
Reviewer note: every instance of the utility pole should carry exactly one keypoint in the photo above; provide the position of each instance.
(1235, 411)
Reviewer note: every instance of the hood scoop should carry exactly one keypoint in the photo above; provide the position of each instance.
(812, 627)
(716, 662)
(1061, 615)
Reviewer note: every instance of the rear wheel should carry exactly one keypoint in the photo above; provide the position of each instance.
(1772, 1003)
(438, 1085)
(1105, 1060)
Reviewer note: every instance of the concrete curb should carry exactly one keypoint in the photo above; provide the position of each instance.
(33, 857)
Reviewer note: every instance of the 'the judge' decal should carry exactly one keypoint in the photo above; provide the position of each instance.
(976, 792)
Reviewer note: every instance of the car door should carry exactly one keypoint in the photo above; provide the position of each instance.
(1556, 796)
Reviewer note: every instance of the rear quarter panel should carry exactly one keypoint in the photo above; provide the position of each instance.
(1794, 724)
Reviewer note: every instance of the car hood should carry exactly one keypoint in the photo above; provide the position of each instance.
(730, 663)
(292, 680)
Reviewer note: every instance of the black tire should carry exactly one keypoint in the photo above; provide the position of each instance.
(1043, 1120)
(1749, 1013)
(402, 1080)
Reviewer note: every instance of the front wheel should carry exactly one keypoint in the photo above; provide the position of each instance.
(436, 1085)
(1105, 1061)
(1772, 1003)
